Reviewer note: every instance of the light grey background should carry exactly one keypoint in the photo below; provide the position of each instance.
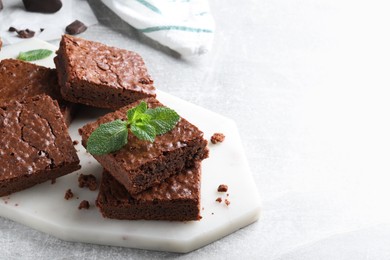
(306, 81)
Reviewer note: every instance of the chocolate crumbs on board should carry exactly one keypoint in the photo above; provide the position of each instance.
(219, 199)
(26, 33)
(84, 205)
(227, 202)
(68, 194)
(88, 181)
(222, 188)
(217, 138)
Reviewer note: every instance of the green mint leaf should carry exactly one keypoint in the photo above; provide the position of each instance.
(144, 132)
(163, 119)
(32, 55)
(108, 137)
(135, 112)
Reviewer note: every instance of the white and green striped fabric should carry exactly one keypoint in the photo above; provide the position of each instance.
(185, 26)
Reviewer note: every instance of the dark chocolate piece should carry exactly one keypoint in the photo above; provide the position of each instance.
(76, 27)
(97, 75)
(23, 79)
(140, 164)
(176, 199)
(34, 145)
(42, 6)
(26, 33)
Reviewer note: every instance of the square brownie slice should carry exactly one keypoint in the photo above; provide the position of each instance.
(34, 144)
(175, 199)
(140, 164)
(23, 79)
(95, 74)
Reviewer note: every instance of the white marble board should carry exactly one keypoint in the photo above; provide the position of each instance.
(44, 208)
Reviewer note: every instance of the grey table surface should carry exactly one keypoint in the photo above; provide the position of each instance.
(306, 83)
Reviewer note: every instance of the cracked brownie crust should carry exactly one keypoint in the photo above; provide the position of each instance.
(34, 144)
(23, 79)
(140, 165)
(95, 74)
(175, 199)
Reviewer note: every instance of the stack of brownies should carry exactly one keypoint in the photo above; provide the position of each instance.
(142, 180)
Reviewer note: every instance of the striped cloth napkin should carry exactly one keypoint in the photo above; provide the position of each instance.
(185, 26)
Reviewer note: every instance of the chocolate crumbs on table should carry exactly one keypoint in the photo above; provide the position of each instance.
(26, 33)
(75, 142)
(68, 194)
(219, 199)
(84, 205)
(227, 202)
(87, 181)
(222, 188)
(217, 138)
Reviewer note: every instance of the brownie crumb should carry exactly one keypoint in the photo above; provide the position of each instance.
(84, 205)
(219, 199)
(16, 204)
(217, 138)
(75, 142)
(212, 213)
(88, 181)
(227, 202)
(222, 188)
(68, 194)
(53, 181)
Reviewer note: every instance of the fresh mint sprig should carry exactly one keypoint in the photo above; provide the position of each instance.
(32, 55)
(145, 123)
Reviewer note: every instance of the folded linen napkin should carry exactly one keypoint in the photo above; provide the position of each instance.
(14, 14)
(185, 26)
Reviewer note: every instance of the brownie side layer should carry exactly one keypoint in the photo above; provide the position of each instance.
(175, 199)
(140, 165)
(95, 74)
(34, 144)
(21, 79)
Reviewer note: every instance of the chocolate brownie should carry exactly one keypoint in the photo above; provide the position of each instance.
(140, 165)
(34, 144)
(95, 74)
(175, 199)
(23, 79)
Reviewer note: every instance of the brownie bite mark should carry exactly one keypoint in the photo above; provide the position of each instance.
(34, 144)
(21, 79)
(140, 164)
(95, 74)
(176, 199)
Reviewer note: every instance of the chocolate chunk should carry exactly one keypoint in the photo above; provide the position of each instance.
(12, 29)
(222, 188)
(84, 205)
(75, 28)
(27, 33)
(42, 6)
(217, 138)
